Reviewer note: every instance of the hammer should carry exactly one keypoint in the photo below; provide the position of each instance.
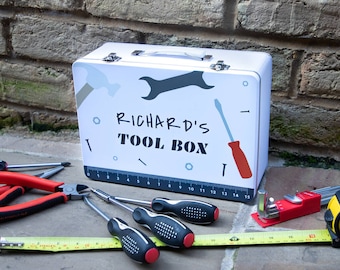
(95, 79)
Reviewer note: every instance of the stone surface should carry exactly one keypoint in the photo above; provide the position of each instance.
(62, 40)
(320, 75)
(182, 12)
(291, 18)
(37, 85)
(2, 41)
(305, 125)
(50, 4)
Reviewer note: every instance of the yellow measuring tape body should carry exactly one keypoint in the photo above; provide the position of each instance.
(332, 218)
(62, 244)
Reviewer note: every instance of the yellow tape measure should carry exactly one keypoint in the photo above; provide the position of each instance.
(332, 218)
(331, 235)
(58, 244)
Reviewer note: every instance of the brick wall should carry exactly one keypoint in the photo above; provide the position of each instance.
(40, 39)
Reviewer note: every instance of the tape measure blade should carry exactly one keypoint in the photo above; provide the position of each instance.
(263, 238)
(62, 244)
(59, 244)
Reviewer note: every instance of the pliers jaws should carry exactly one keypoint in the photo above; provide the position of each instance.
(72, 191)
(60, 193)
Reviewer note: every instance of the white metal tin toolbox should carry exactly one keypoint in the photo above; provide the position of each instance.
(179, 119)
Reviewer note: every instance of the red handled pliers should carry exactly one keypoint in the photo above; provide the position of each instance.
(16, 184)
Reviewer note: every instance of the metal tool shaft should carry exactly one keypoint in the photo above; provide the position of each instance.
(95, 208)
(326, 193)
(23, 166)
(111, 199)
(133, 201)
(50, 173)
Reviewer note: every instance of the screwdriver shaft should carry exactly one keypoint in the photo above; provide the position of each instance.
(95, 208)
(110, 198)
(50, 173)
(22, 166)
(133, 201)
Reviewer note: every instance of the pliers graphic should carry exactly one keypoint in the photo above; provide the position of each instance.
(18, 182)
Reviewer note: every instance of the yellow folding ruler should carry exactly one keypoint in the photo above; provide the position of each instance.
(59, 244)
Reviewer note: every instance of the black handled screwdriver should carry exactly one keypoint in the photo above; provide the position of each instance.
(167, 229)
(135, 244)
(193, 211)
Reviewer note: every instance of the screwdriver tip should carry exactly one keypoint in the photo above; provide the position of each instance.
(65, 164)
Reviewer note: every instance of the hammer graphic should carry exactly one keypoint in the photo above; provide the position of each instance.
(158, 87)
(95, 79)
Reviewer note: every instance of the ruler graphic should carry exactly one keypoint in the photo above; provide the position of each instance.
(170, 184)
(63, 244)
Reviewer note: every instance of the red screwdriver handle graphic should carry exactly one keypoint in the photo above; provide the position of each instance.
(238, 155)
(240, 159)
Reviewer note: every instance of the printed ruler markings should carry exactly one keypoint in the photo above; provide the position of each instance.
(171, 184)
(57, 244)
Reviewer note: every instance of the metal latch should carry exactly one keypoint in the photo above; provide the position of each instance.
(219, 66)
(112, 57)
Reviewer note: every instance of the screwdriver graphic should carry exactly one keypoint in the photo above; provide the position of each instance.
(165, 228)
(196, 212)
(135, 244)
(239, 156)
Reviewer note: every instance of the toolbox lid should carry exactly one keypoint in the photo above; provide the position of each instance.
(144, 54)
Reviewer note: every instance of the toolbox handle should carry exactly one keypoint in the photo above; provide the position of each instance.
(197, 54)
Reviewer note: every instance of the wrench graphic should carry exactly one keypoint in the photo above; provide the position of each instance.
(161, 86)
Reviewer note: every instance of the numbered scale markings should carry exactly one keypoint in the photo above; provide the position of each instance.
(62, 244)
(170, 184)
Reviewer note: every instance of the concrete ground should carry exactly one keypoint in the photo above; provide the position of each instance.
(76, 219)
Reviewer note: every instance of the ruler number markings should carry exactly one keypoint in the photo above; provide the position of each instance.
(170, 184)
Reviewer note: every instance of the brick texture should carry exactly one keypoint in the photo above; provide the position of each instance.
(320, 75)
(37, 85)
(309, 19)
(41, 39)
(69, 5)
(177, 12)
(61, 40)
(2, 42)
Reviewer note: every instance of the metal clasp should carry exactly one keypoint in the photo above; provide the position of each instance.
(112, 57)
(219, 66)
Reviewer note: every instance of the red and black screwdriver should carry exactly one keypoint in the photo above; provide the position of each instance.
(193, 211)
(135, 244)
(167, 229)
